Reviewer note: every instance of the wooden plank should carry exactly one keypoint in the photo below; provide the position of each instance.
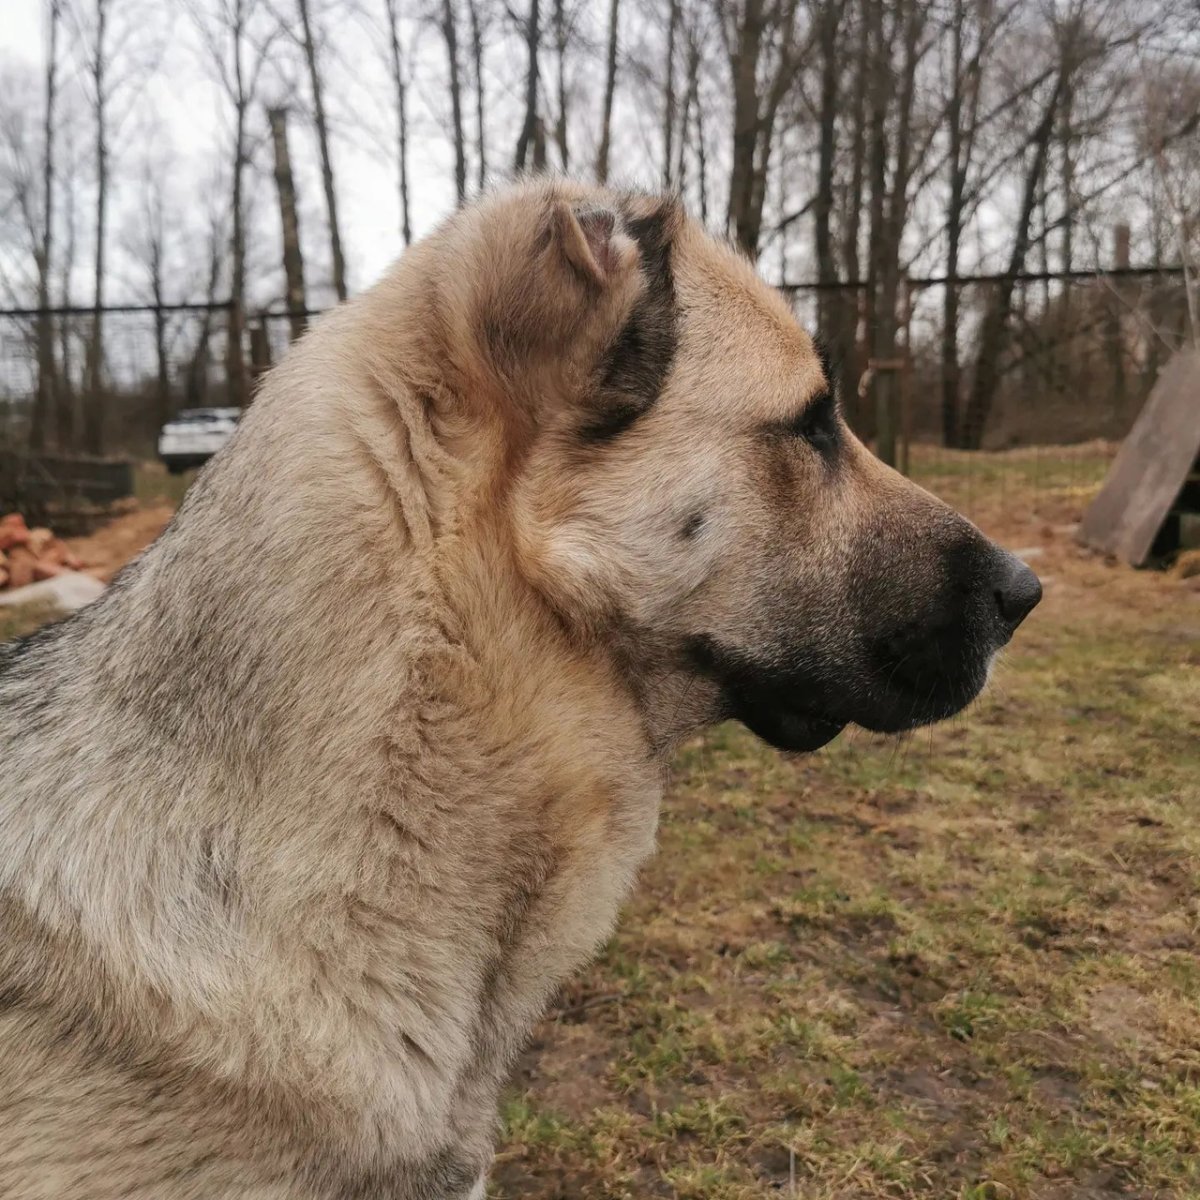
(1151, 467)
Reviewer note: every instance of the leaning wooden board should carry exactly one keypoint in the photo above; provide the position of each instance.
(1151, 467)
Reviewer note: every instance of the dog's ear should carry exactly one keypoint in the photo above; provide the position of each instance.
(585, 234)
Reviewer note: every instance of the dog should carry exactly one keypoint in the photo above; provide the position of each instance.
(303, 822)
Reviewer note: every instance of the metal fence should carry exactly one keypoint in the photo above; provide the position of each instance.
(1072, 358)
(156, 360)
(1071, 363)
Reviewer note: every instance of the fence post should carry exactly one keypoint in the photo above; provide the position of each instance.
(882, 372)
(881, 376)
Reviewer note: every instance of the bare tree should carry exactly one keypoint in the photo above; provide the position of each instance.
(322, 127)
(45, 399)
(829, 45)
(400, 88)
(21, 223)
(1178, 175)
(761, 42)
(890, 153)
(146, 241)
(697, 38)
(610, 88)
(995, 322)
(530, 130)
(669, 92)
(561, 37)
(477, 31)
(293, 259)
(67, 418)
(691, 100)
(241, 94)
(449, 27)
(95, 413)
(117, 45)
(238, 58)
(215, 248)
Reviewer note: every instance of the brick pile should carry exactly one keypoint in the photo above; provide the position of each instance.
(28, 555)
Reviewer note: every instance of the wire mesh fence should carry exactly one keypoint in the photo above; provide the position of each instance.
(1006, 390)
(995, 387)
(155, 362)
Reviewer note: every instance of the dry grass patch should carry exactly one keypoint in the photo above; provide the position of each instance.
(961, 965)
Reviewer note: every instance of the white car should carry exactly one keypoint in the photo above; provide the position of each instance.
(194, 435)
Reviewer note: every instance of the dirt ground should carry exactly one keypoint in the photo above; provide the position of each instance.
(110, 547)
(962, 965)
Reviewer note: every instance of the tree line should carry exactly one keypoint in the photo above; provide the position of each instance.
(846, 143)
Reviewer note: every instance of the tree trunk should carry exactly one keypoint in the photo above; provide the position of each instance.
(526, 142)
(889, 196)
(94, 417)
(560, 47)
(995, 322)
(882, 319)
(669, 92)
(450, 34)
(293, 260)
(854, 302)
(691, 98)
(829, 306)
(67, 422)
(539, 145)
(401, 86)
(745, 127)
(314, 75)
(610, 87)
(858, 156)
(235, 361)
(1067, 134)
(44, 402)
(954, 216)
(1115, 303)
(160, 324)
(197, 376)
(755, 107)
(477, 57)
(702, 162)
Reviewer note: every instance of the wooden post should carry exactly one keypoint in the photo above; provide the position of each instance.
(885, 409)
(1115, 303)
(882, 375)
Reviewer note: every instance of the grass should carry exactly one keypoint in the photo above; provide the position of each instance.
(962, 966)
(959, 966)
(154, 484)
(17, 620)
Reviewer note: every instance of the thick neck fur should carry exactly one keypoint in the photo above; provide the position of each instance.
(309, 832)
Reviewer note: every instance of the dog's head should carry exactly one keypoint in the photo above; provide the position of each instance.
(683, 489)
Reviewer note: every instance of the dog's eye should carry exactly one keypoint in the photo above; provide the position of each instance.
(816, 423)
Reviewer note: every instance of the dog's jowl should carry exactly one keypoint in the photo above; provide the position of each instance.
(291, 861)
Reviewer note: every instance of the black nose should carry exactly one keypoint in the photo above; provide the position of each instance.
(1017, 591)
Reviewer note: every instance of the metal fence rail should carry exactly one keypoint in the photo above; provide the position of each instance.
(1072, 359)
(1075, 357)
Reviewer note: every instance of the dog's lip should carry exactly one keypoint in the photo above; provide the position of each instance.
(806, 733)
(795, 730)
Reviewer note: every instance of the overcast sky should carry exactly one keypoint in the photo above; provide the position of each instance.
(178, 115)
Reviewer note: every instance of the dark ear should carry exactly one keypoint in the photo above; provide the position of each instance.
(585, 234)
